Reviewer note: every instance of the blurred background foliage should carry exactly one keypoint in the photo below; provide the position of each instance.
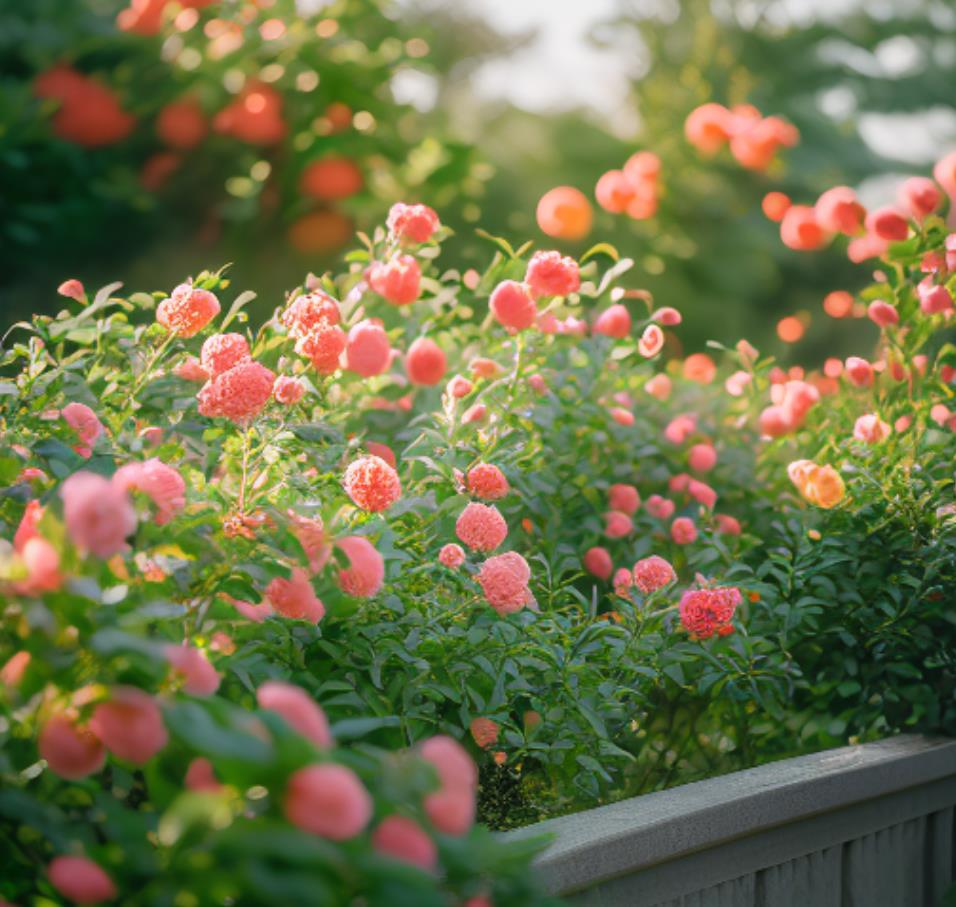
(867, 82)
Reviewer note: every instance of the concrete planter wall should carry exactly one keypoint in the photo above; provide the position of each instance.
(862, 826)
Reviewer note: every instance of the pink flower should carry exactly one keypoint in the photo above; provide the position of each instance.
(871, 429)
(295, 598)
(238, 394)
(187, 311)
(706, 611)
(328, 800)
(484, 732)
(98, 514)
(398, 280)
(622, 582)
(888, 224)
(614, 191)
(659, 387)
(29, 523)
(191, 370)
(367, 350)
(622, 416)
(451, 556)
(858, 371)
(659, 507)
(700, 368)
(476, 413)
(372, 484)
(680, 428)
(425, 363)
(366, 571)
(459, 387)
(311, 535)
(667, 316)
(72, 289)
(198, 676)
(483, 368)
(614, 321)
(288, 391)
(11, 674)
(71, 750)
(737, 383)
(882, 313)
(323, 345)
(934, 299)
(130, 725)
(487, 481)
(452, 807)
(537, 383)
(162, 484)
(307, 312)
(200, 776)
(683, 530)
(598, 562)
(81, 880)
(552, 274)
(221, 352)
(653, 573)
(504, 581)
(702, 493)
(920, 196)
(42, 563)
(405, 840)
(727, 525)
(651, 342)
(412, 223)
(624, 498)
(512, 305)
(256, 613)
(678, 483)
(298, 709)
(481, 527)
(839, 211)
(85, 423)
(702, 457)
(800, 230)
(617, 525)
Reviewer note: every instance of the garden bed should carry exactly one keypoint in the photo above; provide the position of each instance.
(869, 824)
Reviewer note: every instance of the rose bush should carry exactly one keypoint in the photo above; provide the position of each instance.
(421, 517)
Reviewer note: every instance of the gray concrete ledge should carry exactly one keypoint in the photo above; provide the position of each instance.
(635, 835)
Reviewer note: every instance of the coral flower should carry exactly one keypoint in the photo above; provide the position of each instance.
(221, 352)
(484, 732)
(130, 725)
(366, 571)
(653, 573)
(481, 527)
(659, 386)
(425, 362)
(200, 776)
(288, 391)
(98, 514)
(659, 507)
(487, 481)
(295, 598)
(372, 484)
(800, 230)
(858, 371)
(367, 350)
(888, 224)
(704, 612)
(552, 274)
(199, 677)
(699, 367)
(597, 561)
(162, 484)
(404, 839)
(882, 313)
(298, 709)
(871, 429)
(71, 750)
(80, 880)
(920, 196)
(651, 342)
(328, 800)
(451, 556)
(188, 310)
(683, 530)
(617, 524)
(483, 368)
(323, 346)
(459, 387)
(504, 581)
(839, 211)
(452, 807)
(72, 289)
(820, 485)
(680, 428)
(190, 370)
(512, 305)
(614, 321)
(614, 191)
(398, 280)
(412, 223)
(624, 498)
(622, 582)
(239, 393)
(85, 423)
(306, 312)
